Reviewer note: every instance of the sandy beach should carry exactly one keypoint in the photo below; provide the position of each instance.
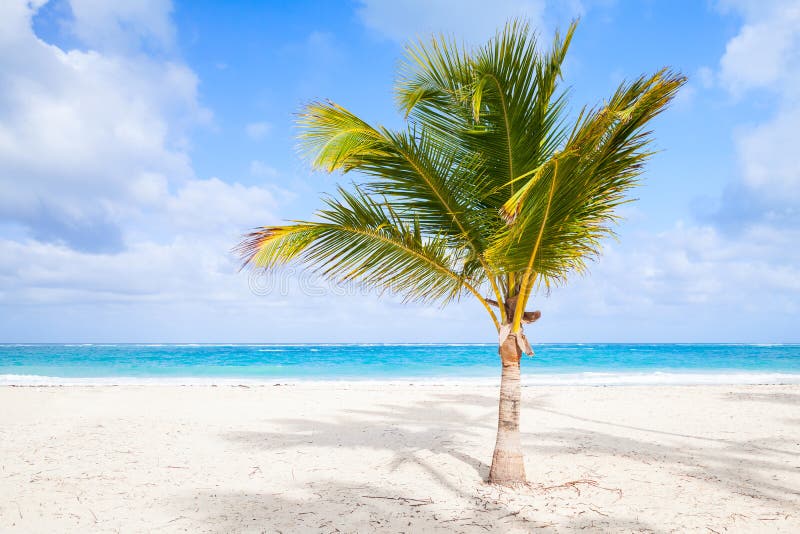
(396, 458)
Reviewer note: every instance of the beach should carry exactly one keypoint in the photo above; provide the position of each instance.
(380, 457)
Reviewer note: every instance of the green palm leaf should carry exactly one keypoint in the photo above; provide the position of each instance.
(359, 239)
(428, 181)
(560, 214)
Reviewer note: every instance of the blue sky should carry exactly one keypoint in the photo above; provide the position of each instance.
(139, 139)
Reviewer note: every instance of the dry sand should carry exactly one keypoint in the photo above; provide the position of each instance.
(396, 458)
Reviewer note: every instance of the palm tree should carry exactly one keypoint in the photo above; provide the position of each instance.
(491, 189)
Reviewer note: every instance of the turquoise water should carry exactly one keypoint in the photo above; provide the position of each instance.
(553, 363)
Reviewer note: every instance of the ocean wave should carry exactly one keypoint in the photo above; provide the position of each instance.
(660, 378)
(529, 380)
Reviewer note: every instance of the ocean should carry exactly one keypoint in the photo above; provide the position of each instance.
(553, 364)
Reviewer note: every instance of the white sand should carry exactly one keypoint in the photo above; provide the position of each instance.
(359, 458)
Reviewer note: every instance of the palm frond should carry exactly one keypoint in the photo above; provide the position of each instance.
(359, 239)
(498, 102)
(517, 104)
(333, 138)
(435, 83)
(563, 211)
(425, 179)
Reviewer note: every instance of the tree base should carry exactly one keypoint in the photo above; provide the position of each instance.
(508, 469)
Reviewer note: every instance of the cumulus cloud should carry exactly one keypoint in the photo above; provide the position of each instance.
(96, 182)
(88, 139)
(769, 162)
(764, 52)
(214, 206)
(689, 283)
(123, 25)
(764, 58)
(85, 135)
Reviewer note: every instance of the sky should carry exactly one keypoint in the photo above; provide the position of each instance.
(140, 139)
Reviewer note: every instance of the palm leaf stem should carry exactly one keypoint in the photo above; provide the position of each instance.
(528, 277)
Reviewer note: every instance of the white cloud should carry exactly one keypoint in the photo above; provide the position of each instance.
(94, 170)
(470, 20)
(257, 130)
(764, 52)
(688, 283)
(765, 57)
(85, 136)
(768, 156)
(123, 25)
(177, 251)
(217, 207)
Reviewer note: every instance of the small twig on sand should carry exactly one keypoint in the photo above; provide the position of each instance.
(574, 485)
(404, 499)
(168, 523)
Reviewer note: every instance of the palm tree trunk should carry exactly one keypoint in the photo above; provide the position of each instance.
(508, 467)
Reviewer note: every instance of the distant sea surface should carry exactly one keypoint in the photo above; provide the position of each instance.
(591, 364)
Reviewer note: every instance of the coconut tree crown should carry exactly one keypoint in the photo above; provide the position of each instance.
(491, 189)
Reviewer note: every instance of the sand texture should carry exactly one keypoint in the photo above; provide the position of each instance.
(397, 458)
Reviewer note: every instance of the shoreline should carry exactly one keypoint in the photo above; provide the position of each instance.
(531, 380)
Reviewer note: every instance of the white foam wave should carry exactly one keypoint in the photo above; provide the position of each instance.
(532, 380)
(660, 378)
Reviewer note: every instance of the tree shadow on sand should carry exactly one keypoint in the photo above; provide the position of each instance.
(432, 434)
(402, 430)
(424, 434)
(746, 467)
(338, 508)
